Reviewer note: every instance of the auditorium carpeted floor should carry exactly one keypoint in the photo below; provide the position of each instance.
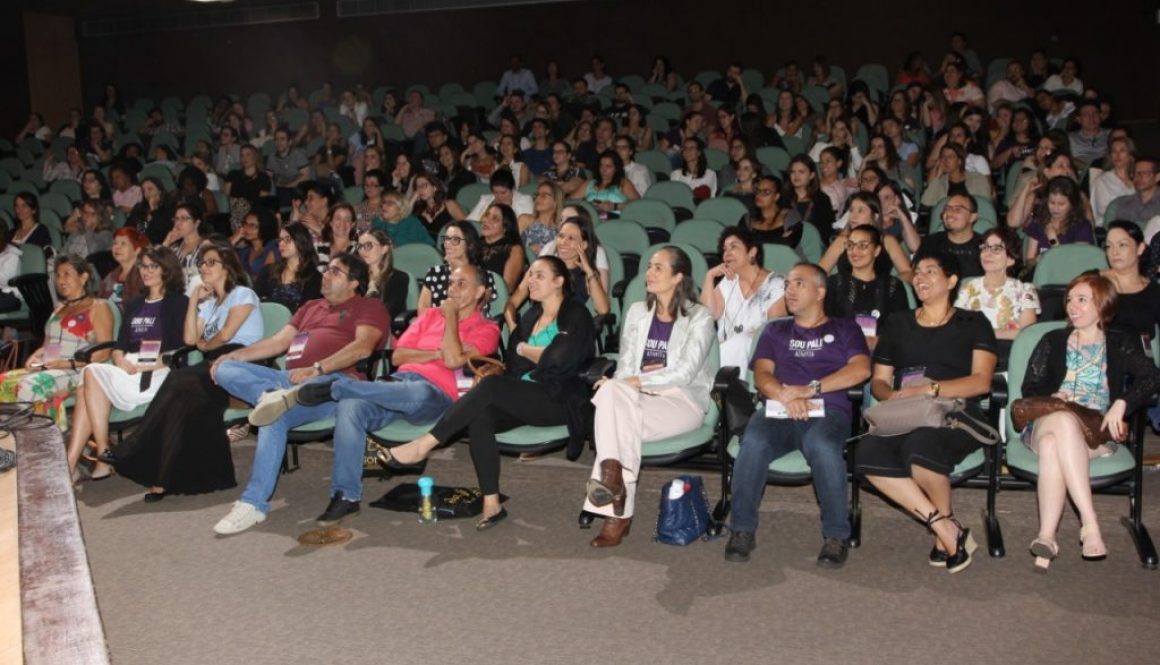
(171, 592)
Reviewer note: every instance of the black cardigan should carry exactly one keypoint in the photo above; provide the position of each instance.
(173, 307)
(1048, 367)
(560, 364)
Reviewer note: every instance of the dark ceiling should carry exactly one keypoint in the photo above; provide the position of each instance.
(104, 8)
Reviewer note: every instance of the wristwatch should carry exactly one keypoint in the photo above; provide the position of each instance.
(816, 387)
(934, 388)
(318, 366)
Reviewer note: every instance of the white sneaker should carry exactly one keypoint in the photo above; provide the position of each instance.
(272, 405)
(242, 516)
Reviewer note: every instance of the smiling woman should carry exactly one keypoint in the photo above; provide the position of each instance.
(181, 445)
(938, 351)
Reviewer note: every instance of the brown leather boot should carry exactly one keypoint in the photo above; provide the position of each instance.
(613, 531)
(610, 487)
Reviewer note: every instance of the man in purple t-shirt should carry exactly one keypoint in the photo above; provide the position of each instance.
(801, 365)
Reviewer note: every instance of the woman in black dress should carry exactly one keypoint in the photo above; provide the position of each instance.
(942, 352)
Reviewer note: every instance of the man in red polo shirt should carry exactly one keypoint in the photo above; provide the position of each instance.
(326, 336)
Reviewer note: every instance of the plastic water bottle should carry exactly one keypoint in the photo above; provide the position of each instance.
(427, 514)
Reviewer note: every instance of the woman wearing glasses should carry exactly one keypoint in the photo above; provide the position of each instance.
(154, 324)
(257, 240)
(181, 445)
(390, 285)
(293, 278)
(461, 245)
(864, 209)
(185, 239)
(862, 287)
(1009, 304)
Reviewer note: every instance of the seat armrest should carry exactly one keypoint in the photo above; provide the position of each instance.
(725, 376)
(598, 368)
(85, 353)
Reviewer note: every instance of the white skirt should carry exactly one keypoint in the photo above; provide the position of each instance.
(124, 389)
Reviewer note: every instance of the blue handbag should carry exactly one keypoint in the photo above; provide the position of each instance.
(684, 518)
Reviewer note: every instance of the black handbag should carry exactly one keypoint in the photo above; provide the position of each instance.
(739, 406)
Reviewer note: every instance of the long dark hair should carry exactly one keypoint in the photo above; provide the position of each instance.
(686, 292)
(307, 255)
(618, 170)
(559, 269)
(473, 246)
(587, 234)
(1067, 187)
(702, 161)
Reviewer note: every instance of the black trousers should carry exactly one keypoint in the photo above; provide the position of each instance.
(497, 404)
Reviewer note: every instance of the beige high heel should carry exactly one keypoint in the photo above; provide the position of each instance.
(1092, 542)
(1044, 550)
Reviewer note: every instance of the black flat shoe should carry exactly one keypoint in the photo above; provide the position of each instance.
(488, 522)
(154, 497)
(585, 520)
(388, 462)
(107, 457)
(313, 394)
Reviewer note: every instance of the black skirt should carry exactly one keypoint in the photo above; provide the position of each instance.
(938, 449)
(181, 443)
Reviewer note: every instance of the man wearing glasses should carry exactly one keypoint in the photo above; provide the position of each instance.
(959, 238)
(325, 336)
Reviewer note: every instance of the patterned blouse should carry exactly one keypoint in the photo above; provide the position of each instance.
(1003, 307)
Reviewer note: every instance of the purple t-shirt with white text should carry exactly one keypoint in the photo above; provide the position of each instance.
(801, 355)
(656, 346)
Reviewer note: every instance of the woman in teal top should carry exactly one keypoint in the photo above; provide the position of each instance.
(403, 229)
(541, 386)
(610, 190)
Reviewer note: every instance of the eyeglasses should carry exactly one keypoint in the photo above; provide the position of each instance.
(368, 246)
(148, 267)
(994, 249)
(285, 240)
(208, 262)
(454, 241)
(334, 270)
(860, 245)
(954, 208)
(182, 218)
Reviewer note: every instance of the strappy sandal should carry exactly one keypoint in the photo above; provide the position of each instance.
(964, 544)
(1092, 542)
(1044, 550)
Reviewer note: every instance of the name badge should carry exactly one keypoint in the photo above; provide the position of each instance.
(868, 323)
(463, 382)
(914, 376)
(149, 353)
(775, 409)
(51, 352)
(298, 346)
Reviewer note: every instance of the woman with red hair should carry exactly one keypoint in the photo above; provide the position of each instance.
(1085, 363)
(124, 282)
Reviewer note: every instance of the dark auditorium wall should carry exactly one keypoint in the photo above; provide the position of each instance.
(466, 46)
(14, 75)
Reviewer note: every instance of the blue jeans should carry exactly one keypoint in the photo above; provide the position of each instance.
(821, 440)
(247, 382)
(363, 407)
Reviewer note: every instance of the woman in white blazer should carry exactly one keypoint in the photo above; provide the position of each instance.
(660, 389)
